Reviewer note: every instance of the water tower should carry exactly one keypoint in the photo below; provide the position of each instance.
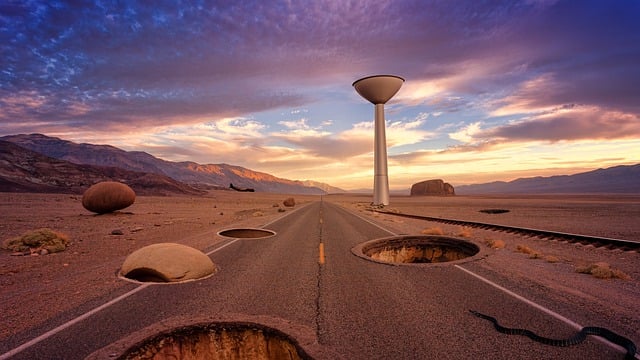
(378, 90)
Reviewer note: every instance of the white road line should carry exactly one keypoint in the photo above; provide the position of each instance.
(523, 299)
(70, 323)
(541, 308)
(367, 220)
(222, 247)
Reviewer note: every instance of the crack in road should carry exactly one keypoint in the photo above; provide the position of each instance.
(318, 317)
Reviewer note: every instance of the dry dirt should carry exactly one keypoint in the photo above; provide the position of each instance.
(37, 288)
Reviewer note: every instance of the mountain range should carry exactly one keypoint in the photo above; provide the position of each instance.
(40, 163)
(187, 173)
(23, 170)
(623, 179)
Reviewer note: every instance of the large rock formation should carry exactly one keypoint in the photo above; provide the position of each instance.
(435, 187)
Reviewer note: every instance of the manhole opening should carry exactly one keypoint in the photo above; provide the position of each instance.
(218, 341)
(417, 249)
(494, 211)
(247, 233)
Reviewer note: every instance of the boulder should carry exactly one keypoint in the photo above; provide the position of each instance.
(289, 202)
(435, 187)
(108, 196)
(167, 262)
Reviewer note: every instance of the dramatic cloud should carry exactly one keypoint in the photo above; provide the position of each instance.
(267, 84)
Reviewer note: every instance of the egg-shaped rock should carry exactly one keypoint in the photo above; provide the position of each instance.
(108, 196)
(167, 262)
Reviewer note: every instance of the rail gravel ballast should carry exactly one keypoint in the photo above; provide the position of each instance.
(596, 241)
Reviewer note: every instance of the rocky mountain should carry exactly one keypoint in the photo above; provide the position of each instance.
(624, 179)
(23, 170)
(325, 187)
(216, 175)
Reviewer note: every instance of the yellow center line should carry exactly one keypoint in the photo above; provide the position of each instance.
(321, 253)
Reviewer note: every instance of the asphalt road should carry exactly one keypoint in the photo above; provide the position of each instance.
(338, 304)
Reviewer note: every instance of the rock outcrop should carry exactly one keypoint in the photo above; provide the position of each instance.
(435, 187)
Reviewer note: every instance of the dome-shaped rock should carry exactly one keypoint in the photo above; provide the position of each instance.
(167, 262)
(108, 196)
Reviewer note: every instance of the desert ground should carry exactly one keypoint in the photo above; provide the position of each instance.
(37, 288)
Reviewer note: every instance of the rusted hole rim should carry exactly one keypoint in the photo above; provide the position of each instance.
(473, 251)
(190, 334)
(246, 233)
(300, 337)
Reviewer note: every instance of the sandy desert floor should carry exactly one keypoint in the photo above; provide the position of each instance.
(37, 288)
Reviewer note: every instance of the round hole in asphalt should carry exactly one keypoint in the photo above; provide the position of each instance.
(417, 249)
(218, 341)
(494, 211)
(246, 233)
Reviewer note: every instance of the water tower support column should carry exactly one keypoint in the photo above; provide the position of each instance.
(381, 177)
(378, 89)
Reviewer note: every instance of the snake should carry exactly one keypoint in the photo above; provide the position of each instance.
(579, 337)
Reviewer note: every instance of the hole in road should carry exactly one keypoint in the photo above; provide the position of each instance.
(247, 233)
(494, 211)
(218, 341)
(416, 249)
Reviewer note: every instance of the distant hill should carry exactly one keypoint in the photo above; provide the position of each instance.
(23, 170)
(215, 175)
(624, 179)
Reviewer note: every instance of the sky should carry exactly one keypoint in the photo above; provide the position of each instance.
(494, 90)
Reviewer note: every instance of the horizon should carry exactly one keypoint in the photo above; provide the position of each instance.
(492, 92)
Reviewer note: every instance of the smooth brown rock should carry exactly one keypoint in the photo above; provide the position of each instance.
(289, 202)
(108, 196)
(167, 262)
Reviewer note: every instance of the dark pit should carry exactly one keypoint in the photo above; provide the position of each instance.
(494, 211)
(416, 249)
(246, 233)
(218, 341)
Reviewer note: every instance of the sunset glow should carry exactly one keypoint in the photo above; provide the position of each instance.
(493, 91)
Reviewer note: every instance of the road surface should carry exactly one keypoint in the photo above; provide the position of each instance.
(307, 278)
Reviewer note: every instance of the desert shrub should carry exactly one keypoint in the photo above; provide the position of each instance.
(495, 244)
(465, 232)
(551, 259)
(432, 231)
(533, 254)
(44, 238)
(602, 270)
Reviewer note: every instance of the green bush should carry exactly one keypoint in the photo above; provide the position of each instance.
(44, 238)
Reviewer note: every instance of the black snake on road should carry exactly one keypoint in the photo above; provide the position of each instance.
(629, 345)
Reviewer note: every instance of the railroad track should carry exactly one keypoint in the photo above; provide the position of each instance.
(596, 241)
